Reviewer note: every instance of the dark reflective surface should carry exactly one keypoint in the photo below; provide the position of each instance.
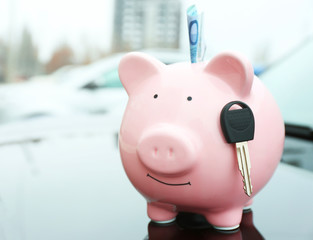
(75, 188)
(193, 226)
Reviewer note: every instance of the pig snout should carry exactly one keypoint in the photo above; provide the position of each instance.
(167, 150)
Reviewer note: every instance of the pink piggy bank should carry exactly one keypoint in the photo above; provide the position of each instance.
(171, 141)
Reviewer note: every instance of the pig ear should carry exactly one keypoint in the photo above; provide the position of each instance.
(136, 67)
(234, 69)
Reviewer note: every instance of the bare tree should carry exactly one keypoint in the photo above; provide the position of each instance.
(3, 60)
(62, 56)
(27, 56)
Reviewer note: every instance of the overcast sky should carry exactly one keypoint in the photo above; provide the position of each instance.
(52, 22)
(244, 25)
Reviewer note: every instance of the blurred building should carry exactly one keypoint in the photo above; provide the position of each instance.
(146, 24)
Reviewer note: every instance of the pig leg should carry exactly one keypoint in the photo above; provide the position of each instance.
(248, 204)
(161, 212)
(225, 220)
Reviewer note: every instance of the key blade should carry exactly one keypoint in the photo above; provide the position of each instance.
(244, 165)
(247, 155)
(239, 158)
(246, 169)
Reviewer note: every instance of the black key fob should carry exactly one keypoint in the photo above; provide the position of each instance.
(237, 125)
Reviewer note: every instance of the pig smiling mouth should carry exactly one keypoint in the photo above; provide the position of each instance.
(170, 184)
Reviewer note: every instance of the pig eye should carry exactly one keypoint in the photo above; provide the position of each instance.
(155, 95)
(189, 98)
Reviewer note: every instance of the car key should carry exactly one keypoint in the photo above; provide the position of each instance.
(238, 127)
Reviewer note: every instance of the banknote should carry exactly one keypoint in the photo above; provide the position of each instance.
(195, 30)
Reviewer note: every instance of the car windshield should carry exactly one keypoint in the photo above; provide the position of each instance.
(109, 79)
(291, 82)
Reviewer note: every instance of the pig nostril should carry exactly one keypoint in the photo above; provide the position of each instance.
(155, 151)
(170, 152)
